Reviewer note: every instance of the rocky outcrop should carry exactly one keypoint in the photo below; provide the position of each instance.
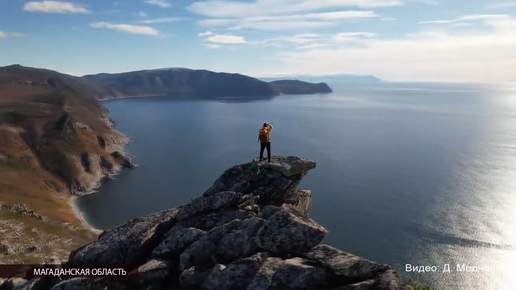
(250, 230)
(21, 209)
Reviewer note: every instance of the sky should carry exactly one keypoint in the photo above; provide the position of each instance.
(397, 40)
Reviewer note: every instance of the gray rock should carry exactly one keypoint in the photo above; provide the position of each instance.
(291, 165)
(214, 275)
(289, 232)
(299, 274)
(209, 203)
(236, 275)
(128, 244)
(364, 285)
(269, 211)
(151, 275)
(344, 264)
(33, 284)
(11, 283)
(389, 280)
(281, 183)
(88, 284)
(270, 181)
(234, 179)
(263, 278)
(223, 245)
(301, 200)
(210, 221)
(176, 241)
(193, 278)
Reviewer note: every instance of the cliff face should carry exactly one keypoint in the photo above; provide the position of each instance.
(198, 83)
(61, 125)
(55, 140)
(250, 230)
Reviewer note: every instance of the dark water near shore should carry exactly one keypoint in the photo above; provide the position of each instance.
(406, 173)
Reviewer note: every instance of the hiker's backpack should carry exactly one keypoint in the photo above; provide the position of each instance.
(263, 135)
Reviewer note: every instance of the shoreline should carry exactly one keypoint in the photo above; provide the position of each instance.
(97, 184)
(77, 212)
(73, 200)
(128, 97)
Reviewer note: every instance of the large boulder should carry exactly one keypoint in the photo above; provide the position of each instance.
(223, 244)
(344, 264)
(128, 244)
(209, 204)
(301, 200)
(272, 182)
(176, 241)
(289, 232)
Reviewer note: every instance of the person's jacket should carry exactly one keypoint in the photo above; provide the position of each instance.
(266, 133)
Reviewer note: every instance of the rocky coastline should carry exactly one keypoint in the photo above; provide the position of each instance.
(250, 230)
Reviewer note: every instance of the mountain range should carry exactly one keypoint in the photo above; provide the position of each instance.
(199, 83)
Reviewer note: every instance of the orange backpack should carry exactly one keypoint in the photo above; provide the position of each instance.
(264, 135)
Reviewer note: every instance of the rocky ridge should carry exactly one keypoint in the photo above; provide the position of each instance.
(250, 230)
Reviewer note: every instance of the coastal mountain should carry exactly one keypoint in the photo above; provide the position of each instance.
(250, 230)
(198, 83)
(332, 79)
(56, 140)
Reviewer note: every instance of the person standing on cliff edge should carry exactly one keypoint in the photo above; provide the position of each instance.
(265, 140)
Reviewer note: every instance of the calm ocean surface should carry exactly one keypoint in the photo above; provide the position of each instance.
(420, 174)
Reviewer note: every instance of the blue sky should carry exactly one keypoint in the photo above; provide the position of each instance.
(400, 40)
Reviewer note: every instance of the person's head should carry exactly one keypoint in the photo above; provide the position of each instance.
(264, 124)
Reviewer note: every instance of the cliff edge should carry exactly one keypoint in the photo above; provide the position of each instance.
(250, 230)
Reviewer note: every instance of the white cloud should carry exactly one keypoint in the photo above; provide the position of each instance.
(18, 34)
(282, 22)
(54, 7)
(312, 40)
(462, 24)
(162, 20)
(428, 2)
(222, 9)
(127, 28)
(207, 33)
(209, 45)
(226, 39)
(287, 14)
(143, 14)
(14, 34)
(467, 18)
(432, 55)
(161, 3)
(502, 5)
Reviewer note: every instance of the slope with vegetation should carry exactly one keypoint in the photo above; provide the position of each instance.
(55, 140)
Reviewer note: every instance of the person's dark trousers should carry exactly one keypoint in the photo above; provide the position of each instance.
(262, 147)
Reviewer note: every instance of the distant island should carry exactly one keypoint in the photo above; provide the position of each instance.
(199, 83)
(332, 78)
